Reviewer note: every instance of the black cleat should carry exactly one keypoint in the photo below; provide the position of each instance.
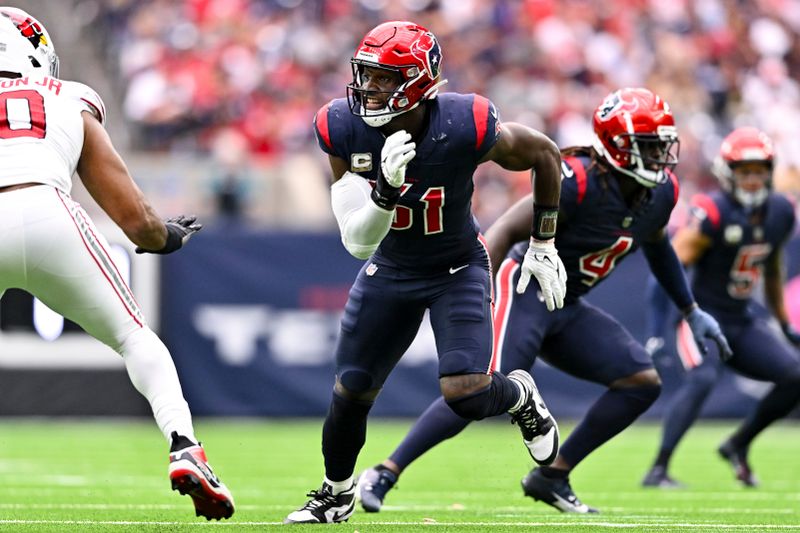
(190, 474)
(538, 427)
(658, 478)
(554, 492)
(373, 484)
(737, 457)
(324, 507)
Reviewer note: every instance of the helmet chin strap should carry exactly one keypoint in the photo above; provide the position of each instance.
(644, 177)
(379, 117)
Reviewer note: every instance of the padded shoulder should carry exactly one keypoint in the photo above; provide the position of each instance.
(704, 207)
(87, 97)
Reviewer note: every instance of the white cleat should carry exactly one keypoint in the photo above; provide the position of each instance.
(539, 428)
(324, 507)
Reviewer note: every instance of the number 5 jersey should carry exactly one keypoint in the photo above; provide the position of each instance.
(741, 242)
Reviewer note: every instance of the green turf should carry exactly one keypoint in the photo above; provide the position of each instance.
(111, 476)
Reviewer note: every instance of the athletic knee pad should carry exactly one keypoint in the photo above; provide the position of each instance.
(356, 381)
(475, 406)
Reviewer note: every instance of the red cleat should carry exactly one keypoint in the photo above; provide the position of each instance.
(191, 474)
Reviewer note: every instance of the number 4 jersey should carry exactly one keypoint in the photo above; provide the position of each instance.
(596, 228)
(41, 129)
(433, 227)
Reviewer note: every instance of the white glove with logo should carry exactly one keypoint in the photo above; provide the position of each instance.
(542, 261)
(397, 152)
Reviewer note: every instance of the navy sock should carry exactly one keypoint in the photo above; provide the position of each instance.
(500, 396)
(505, 394)
(777, 404)
(615, 410)
(437, 423)
(685, 407)
(343, 435)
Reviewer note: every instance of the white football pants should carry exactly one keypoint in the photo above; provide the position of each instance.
(50, 248)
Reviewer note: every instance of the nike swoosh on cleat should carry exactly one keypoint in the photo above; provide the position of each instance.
(454, 270)
(568, 505)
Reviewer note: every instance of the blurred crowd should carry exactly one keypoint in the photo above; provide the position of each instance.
(243, 78)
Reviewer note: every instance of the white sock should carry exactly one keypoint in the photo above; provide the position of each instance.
(153, 373)
(339, 486)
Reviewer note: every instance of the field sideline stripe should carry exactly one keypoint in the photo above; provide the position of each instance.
(590, 523)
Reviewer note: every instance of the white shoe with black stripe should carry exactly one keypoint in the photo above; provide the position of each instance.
(539, 428)
(325, 507)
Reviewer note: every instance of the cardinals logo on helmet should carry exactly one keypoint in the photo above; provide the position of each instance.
(29, 28)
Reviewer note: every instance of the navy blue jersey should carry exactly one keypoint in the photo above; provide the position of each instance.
(741, 243)
(596, 228)
(433, 227)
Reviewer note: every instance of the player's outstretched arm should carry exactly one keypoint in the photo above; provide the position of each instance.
(512, 227)
(520, 148)
(107, 179)
(667, 269)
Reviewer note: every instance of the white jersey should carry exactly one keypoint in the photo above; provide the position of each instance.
(50, 247)
(41, 129)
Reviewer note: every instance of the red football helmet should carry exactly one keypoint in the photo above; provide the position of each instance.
(42, 55)
(745, 145)
(635, 132)
(402, 47)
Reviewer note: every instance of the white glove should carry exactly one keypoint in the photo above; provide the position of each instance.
(542, 261)
(397, 151)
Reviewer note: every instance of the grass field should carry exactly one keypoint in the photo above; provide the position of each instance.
(111, 476)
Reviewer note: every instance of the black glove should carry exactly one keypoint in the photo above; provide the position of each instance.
(791, 334)
(179, 230)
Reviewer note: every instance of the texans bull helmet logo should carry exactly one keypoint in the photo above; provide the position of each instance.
(427, 50)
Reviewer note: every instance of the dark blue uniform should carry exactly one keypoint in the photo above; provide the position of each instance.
(596, 231)
(726, 275)
(432, 258)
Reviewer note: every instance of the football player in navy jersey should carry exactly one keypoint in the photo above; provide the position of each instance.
(402, 160)
(615, 196)
(735, 234)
